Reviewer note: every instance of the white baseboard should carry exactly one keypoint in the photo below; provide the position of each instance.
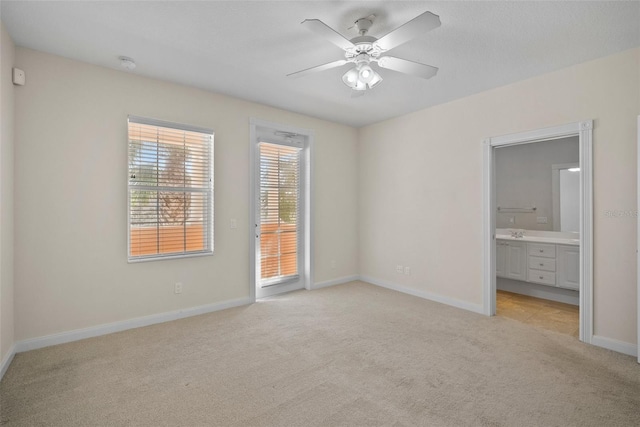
(6, 361)
(476, 308)
(615, 345)
(608, 343)
(109, 328)
(79, 334)
(338, 281)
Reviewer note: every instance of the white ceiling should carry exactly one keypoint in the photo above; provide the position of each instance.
(245, 49)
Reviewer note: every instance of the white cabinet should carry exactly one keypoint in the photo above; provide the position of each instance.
(501, 258)
(511, 260)
(543, 263)
(542, 250)
(568, 261)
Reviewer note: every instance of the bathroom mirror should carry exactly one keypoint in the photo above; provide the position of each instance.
(536, 186)
(565, 182)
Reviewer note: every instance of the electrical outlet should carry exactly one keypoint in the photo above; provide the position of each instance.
(407, 271)
(399, 269)
(333, 264)
(177, 289)
(541, 219)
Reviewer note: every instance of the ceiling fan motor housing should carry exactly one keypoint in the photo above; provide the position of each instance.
(364, 24)
(363, 45)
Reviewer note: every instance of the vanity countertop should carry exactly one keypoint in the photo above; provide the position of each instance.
(551, 237)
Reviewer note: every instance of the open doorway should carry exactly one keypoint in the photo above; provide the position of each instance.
(524, 252)
(537, 233)
(280, 208)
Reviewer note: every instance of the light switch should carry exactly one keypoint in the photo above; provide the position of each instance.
(233, 223)
(18, 77)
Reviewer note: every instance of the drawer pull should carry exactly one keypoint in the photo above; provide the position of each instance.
(541, 265)
(541, 250)
(541, 277)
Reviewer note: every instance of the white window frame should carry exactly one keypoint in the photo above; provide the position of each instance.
(210, 208)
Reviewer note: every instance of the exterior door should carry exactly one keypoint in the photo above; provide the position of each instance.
(279, 214)
(280, 209)
(281, 255)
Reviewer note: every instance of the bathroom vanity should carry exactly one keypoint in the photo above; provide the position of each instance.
(541, 257)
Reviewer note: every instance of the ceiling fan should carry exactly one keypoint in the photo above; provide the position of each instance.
(364, 50)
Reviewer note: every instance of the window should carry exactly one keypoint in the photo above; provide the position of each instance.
(279, 212)
(170, 190)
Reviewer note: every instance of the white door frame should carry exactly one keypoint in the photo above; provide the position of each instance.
(256, 126)
(638, 251)
(584, 131)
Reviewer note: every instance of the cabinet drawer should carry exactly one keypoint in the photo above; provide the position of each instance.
(546, 264)
(542, 250)
(542, 277)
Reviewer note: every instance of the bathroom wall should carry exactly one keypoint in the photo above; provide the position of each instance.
(523, 179)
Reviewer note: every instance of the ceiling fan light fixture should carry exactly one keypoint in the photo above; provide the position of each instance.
(350, 78)
(359, 86)
(369, 76)
(361, 77)
(374, 80)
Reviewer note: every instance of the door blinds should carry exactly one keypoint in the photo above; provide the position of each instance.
(279, 212)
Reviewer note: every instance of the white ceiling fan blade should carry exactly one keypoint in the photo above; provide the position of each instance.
(320, 28)
(407, 67)
(315, 69)
(418, 25)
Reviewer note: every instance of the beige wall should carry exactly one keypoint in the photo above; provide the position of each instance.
(420, 184)
(523, 179)
(414, 180)
(7, 52)
(71, 267)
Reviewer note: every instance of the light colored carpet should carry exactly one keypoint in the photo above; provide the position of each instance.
(352, 355)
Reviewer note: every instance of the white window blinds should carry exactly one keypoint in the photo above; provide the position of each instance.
(170, 190)
(279, 211)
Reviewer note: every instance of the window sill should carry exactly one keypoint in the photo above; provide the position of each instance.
(136, 260)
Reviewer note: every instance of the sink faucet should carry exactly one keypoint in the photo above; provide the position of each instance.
(517, 234)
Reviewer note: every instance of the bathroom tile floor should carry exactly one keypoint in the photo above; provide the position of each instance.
(551, 315)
